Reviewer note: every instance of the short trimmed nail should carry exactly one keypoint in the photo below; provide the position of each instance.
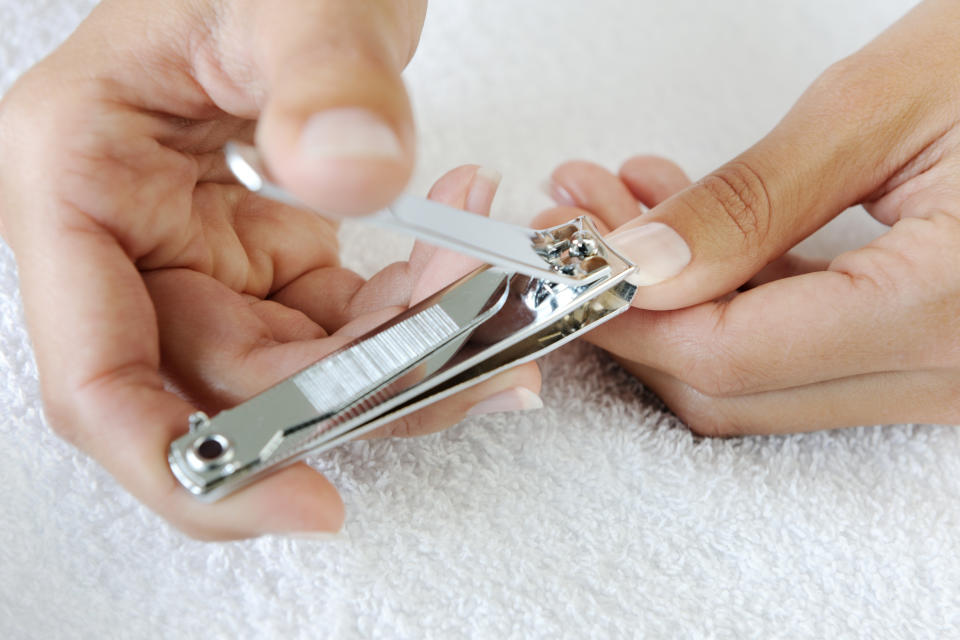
(516, 399)
(482, 189)
(658, 251)
(348, 133)
(556, 192)
(313, 536)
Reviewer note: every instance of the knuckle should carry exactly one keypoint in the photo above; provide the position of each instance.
(715, 382)
(854, 96)
(406, 427)
(721, 375)
(14, 104)
(27, 114)
(836, 79)
(74, 405)
(713, 426)
(740, 193)
(843, 86)
(61, 416)
(714, 363)
(703, 415)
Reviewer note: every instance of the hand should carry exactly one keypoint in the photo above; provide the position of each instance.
(868, 338)
(145, 270)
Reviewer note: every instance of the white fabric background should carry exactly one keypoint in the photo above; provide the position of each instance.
(599, 516)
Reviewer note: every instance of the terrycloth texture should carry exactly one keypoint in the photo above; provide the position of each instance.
(599, 516)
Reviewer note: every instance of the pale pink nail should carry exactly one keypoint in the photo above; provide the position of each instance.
(516, 399)
(658, 251)
(558, 193)
(314, 536)
(482, 189)
(348, 133)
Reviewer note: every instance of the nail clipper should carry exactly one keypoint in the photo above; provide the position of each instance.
(538, 290)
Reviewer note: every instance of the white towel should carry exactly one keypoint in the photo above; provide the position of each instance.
(599, 516)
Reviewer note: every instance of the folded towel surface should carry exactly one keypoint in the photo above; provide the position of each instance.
(597, 516)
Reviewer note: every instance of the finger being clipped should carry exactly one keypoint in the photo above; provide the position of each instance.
(513, 390)
(611, 200)
(470, 188)
(652, 179)
(591, 187)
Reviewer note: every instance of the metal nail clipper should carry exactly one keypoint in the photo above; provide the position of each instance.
(539, 290)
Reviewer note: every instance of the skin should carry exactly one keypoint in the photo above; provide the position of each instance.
(153, 285)
(749, 339)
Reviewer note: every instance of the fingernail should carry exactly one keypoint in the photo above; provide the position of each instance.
(482, 190)
(556, 192)
(314, 536)
(348, 133)
(658, 251)
(516, 399)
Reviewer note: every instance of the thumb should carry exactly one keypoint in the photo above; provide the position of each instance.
(713, 236)
(844, 140)
(336, 127)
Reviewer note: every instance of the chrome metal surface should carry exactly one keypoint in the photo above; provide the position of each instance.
(473, 329)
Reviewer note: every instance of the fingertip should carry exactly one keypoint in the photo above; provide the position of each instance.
(483, 188)
(555, 216)
(572, 169)
(516, 389)
(302, 500)
(658, 252)
(509, 401)
(295, 500)
(564, 185)
(592, 187)
(335, 127)
(530, 377)
(343, 161)
(469, 187)
(653, 179)
(648, 164)
(451, 188)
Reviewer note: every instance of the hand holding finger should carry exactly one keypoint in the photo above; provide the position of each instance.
(859, 340)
